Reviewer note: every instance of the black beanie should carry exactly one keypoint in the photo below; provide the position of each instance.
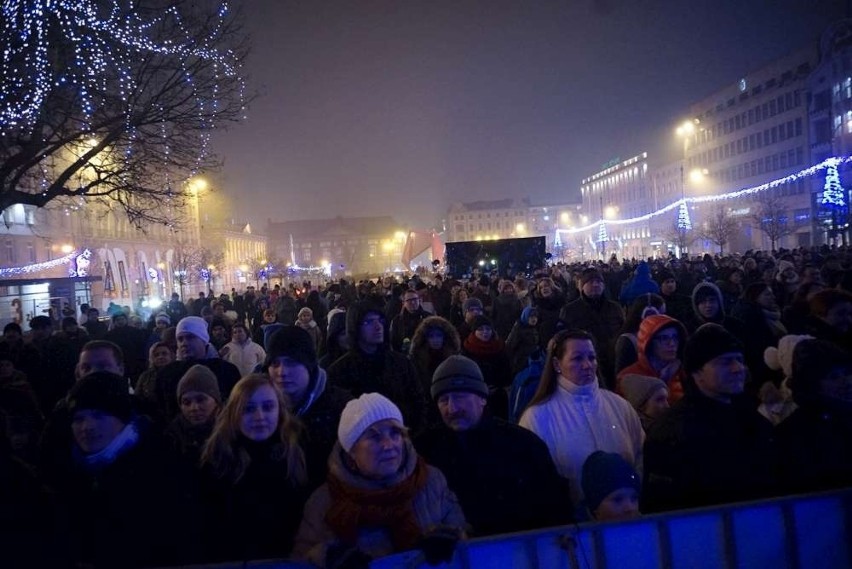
(102, 391)
(295, 343)
(663, 275)
(708, 342)
(603, 474)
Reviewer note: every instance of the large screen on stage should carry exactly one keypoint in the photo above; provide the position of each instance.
(506, 257)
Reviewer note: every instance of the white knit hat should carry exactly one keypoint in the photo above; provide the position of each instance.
(195, 325)
(782, 356)
(360, 413)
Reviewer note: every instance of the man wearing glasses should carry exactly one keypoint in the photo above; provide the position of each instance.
(404, 324)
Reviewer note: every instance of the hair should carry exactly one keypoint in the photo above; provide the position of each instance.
(825, 300)
(555, 350)
(239, 325)
(456, 300)
(154, 348)
(14, 327)
(105, 345)
(636, 312)
(223, 451)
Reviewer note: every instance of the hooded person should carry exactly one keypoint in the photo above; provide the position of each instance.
(489, 352)
(640, 284)
(292, 364)
(371, 366)
(524, 339)
(433, 342)
(337, 340)
(709, 307)
(661, 342)
(380, 498)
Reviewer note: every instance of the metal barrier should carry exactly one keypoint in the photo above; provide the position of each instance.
(811, 531)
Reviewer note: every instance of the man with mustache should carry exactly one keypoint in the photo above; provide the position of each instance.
(502, 474)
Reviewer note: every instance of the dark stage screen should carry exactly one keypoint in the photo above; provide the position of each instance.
(506, 257)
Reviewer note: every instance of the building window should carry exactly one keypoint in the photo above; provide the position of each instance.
(31, 253)
(10, 252)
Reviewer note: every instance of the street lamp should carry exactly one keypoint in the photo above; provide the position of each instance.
(686, 131)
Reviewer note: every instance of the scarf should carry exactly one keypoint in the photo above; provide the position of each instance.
(773, 320)
(476, 346)
(126, 440)
(391, 508)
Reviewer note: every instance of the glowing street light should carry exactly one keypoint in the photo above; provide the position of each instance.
(610, 212)
(67, 248)
(697, 175)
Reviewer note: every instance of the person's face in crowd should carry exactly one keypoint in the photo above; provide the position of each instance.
(736, 277)
(545, 289)
(709, 307)
(789, 275)
(460, 410)
(119, 321)
(291, 376)
(839, 317)
(160, 324)
(197, 407)
(722, 377)
(623, 504)
(472, 313)
(767, 275)
(305, 318)
(508, 288)
(99, 359)
(260, 416)
(811, 275)
(190, 346)
(162, 356)
(668, 287)
(379, 451)
(484, 333)
(217, 332)
(268, 318)
(94, 430)
(372, 329)
(93, 314)
(593, 288)
(579, 363)
(435, 338)
(239, 335)
(665, 344)
(219, 310)
(410, 301)
(766, 299)
(657, 404)
(533, 320)
(343, 340)
(7, 368)
(837, 384)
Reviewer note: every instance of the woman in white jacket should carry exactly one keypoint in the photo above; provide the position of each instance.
(241, 351)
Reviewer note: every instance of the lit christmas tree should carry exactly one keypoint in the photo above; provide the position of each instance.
(832, 193)
(602, 236)
(683, 221)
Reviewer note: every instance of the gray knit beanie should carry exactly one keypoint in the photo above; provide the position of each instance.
(458, 373)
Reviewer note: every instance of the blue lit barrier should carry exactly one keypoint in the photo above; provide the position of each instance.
(796, 532)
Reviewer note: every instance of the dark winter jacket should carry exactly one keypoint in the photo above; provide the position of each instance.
(602, 318)
(523, 341)
(705, 452)
(403, 325)
(548, 313)
(505, 310)
(502, 475)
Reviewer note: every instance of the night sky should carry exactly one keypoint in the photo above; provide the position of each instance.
(400, 107)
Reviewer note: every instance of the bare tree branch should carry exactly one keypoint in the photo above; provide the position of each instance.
(719, 228)
(771, 217)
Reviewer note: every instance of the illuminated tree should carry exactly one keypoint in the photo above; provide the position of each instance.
(114, 100)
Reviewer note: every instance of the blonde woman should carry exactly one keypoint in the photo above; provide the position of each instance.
(254, 481)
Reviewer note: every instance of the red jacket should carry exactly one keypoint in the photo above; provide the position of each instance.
(650, 326)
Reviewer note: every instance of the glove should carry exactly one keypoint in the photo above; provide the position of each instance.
(439, 545)
(344, 557)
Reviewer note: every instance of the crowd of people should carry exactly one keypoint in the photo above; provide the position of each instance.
(340, 423)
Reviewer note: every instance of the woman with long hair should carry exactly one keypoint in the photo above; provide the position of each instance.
(574, 416)
(254, 480)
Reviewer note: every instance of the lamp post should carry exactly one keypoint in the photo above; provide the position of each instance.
(686, 130)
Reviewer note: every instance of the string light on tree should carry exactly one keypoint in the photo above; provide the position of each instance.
(602, 236)
(832, 194)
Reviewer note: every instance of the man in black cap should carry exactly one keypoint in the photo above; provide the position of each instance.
(502, 474)
(678, 306)
(712, 447)
(599, 316)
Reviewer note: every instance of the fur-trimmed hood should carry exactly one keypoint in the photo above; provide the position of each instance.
(452, 341)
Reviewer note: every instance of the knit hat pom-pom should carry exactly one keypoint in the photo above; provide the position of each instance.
(770, 357)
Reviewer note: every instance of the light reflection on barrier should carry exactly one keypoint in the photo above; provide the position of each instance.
(811, 531)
